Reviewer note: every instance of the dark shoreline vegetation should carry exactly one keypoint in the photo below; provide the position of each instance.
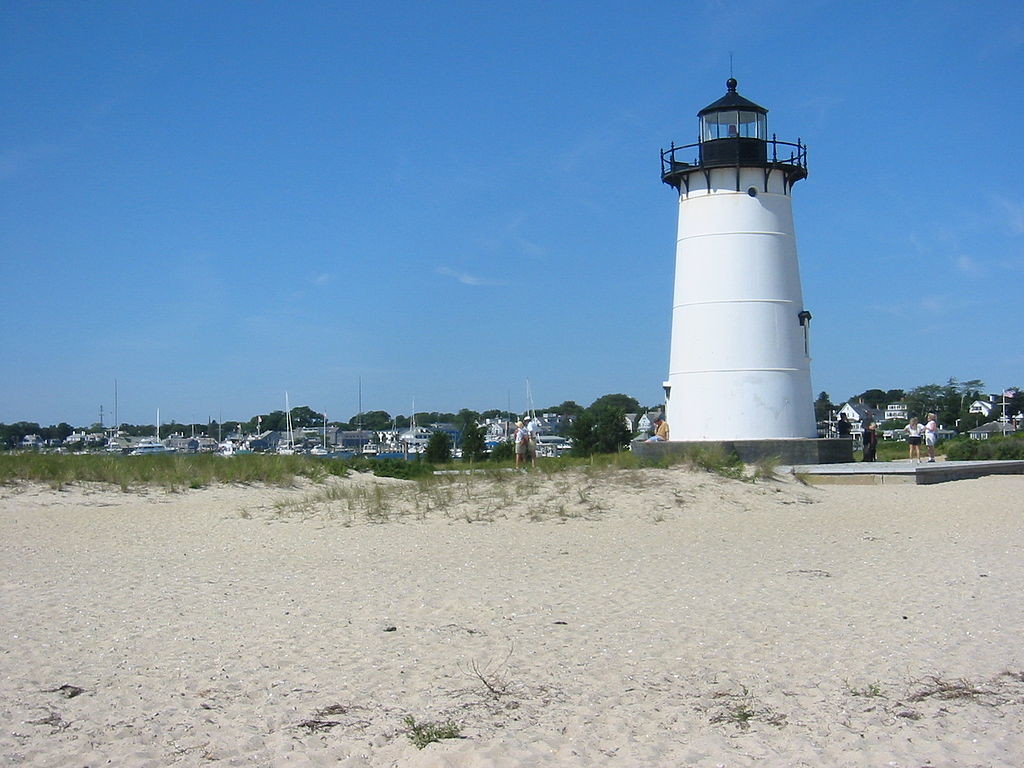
(181, 472)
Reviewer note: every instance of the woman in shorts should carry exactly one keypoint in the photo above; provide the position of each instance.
(931, 436)
(915, 432)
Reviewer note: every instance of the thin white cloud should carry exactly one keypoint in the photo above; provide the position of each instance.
(322, 279)
(467, 279)
(968, 264)
(1014, 210)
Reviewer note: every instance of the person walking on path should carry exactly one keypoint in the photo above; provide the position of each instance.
(915, 433)
(931, 436)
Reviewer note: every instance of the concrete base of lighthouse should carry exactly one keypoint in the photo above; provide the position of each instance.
(818, 450)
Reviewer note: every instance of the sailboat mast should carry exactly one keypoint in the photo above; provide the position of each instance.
(288, 418)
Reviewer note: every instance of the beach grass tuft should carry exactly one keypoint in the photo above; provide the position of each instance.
(422, 734)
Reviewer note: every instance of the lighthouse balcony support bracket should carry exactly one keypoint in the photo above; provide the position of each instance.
(786, 157)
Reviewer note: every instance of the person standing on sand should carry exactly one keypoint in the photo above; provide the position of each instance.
(931, 436)
(915, 431)
(532, 433)
(522, 441)
(870, 441)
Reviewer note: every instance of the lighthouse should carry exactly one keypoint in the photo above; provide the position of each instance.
(739, 361)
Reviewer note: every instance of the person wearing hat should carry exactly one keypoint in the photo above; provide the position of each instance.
(522, 440)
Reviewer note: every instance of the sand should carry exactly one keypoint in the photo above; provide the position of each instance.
(640, 618)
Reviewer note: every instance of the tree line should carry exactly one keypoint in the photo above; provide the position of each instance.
(951, 402)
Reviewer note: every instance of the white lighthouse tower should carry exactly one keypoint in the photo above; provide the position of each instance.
(739, 365)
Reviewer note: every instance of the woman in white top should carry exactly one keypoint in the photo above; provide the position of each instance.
(915, 431)
(931, 436)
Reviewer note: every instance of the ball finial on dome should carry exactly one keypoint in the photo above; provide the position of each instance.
(731, 84)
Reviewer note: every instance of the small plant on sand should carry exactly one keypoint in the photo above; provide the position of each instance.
(870, 691)
(741, 714)
(378, 505)
(765, 468)
(741, 710)
(422, 734)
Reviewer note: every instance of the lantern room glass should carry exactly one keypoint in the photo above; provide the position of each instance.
(733, 124)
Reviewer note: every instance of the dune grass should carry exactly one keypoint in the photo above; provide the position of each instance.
(169, 471)
(182, 471)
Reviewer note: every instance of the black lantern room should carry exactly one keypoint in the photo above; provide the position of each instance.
(733, 129)
(734, 133)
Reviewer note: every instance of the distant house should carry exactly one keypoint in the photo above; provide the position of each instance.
(896, 411)
(645, 424)
(984, 407)
(181, 444)
(557, 422)
(985, 431)
(207, 444)
(859, 414)
(31, 442)
(353, 439)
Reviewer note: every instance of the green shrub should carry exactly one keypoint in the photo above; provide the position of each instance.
(1010, 447)
(503, 451)
(400, 468)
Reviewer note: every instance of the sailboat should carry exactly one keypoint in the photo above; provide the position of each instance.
(415, 439)
(321, 450)
(151, 445)
(288, 448)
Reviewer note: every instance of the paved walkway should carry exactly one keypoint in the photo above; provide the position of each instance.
(903, 471)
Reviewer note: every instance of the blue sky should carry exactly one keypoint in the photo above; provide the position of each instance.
(216, 202)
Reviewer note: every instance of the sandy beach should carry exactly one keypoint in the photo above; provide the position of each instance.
(620, 618)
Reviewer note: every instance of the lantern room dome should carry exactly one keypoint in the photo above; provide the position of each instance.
(732, 100)
(733, 117)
